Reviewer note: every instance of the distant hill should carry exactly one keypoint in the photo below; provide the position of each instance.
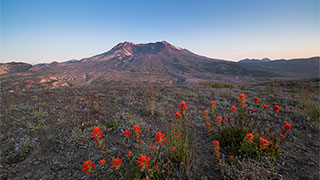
(14, 67)
(152, 63)
(304, 67)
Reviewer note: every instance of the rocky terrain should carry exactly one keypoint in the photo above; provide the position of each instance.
(42, 137)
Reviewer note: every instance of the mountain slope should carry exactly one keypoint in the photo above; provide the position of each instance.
(152, 63)
(306, 67)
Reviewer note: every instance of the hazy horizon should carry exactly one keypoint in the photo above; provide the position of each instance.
(41, 32)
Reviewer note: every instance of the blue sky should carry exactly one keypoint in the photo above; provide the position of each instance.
(37, 31)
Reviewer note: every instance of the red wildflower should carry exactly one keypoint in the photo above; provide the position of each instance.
(157, 166)
(285, 122)
(249, 109)
(216, 149)
(127, 133)
(143, 161)
(129, 153)
(136, 178)
(287, 127)
(178, 136)
(212, 108)
(216, 145)
(282, 136)
(242, 100)
(228, 117)
(88, 166)
(266, 106)
(205, 115)
(249, 137)
(97, 133)
(142, 142)
(173, 148)
(276, 108)
(160, 138)
(153, 147)
(116, 162)
(136, 130)
(101, 162)
(147, 178)
(177, 115)
(231, 157)
(219, 120)
(233, 109)
(263, 143)
(254, 110)
(81, 99)
(172, 131)
(208, 125)
(256, 99)
(90, 92)
(183, 106)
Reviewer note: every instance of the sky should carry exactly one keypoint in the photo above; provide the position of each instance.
(41, 31)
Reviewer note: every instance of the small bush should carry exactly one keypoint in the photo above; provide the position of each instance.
(112, 123)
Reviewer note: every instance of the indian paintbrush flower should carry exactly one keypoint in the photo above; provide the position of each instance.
(160, 138)
(116, 162)
(97, 133)
(127, 133)
(233, 109)
(276, 108)
(263, 143)
(143, 161)
(242, 100)
(249, 138)
(88, 166)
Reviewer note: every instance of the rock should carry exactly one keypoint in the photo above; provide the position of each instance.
(28, 175)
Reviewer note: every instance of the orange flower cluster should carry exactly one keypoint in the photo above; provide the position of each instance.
(212, 108)
(286, 129)
(208, 126)
(177, 115)
(183, 106)
(205, 115)
(88, 166)
(97, 133)
(143, 161)
(160, 138)
(242, 100)
(102, 162)
(219, 120)
(276, 108)
(216, 149)
(136, 131)
(116, 162)
(233, 109)
(127, 133)
(153, 147)
(263, 143)
(129, 153)
(249, 138)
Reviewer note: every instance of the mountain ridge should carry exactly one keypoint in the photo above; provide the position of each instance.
(152, 63)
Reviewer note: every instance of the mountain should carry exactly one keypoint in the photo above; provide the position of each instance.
(14, 67)
(303, 67)
(151, 63)
(255, 60)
